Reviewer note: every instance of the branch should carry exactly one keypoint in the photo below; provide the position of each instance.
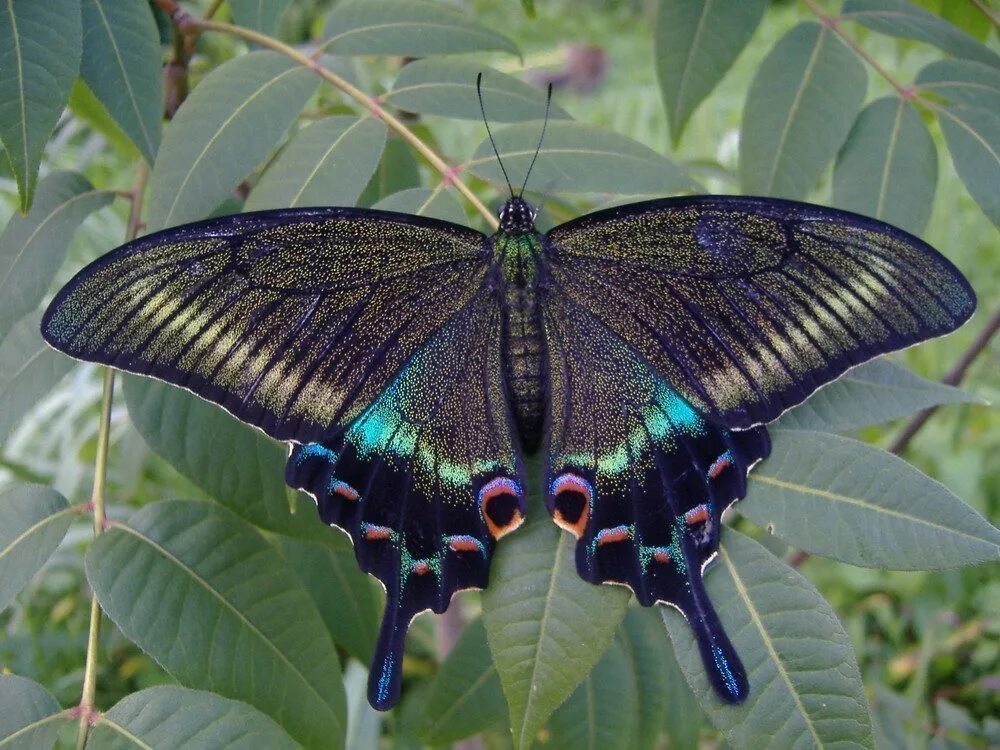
(97, 495)
(954, 377)
(189, 25)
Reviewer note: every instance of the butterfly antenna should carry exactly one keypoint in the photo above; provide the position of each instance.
(479, 91)
(545, 122)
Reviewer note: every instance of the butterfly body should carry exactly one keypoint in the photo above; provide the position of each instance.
(519, 268)
(410, 363)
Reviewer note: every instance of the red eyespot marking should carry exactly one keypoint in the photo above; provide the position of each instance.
(698, 514)
(465, 544)
(374, 533)
(421, 568)
(612, 535)
(572, 498)
(499, 502)
(345, 491)
(661, 556)
(722, 463)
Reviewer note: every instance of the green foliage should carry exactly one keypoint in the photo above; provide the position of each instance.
(536, 621)
(236, 619)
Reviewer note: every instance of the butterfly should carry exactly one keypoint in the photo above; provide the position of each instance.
(412, 363)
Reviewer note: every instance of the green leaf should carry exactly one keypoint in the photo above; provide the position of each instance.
(437, 204)
(529, 8)
(29, 369)
(696, 42)
(33, 521)
(234, 463)
(683, 717)
(32, 247)
(800, 108)
(962, 82)
(326, 164)
(805, 688)
(40, 46)
(465, 697)
(903, 19)
(971, 95)
(877, 391)
(397, 170)
(854, 502)
(349, 601)
(121, 66)
(578, 158)
(648, 651)
(168, 717)
(204, 594)
(407, 28)
(261, 15)
(602, 711)
(84, 104)
(225, 128)
(547, 627)
(973, 137)
(30, 718)
(443, 86)
(888, 166)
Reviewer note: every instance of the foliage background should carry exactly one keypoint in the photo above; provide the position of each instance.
(927, 642)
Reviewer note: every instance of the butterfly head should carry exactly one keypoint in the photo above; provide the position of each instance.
(517, 217)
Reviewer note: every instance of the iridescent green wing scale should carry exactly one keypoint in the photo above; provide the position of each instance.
(292, 320)
(675, 328)
(640, 477)
(748, 305)
(364, 338)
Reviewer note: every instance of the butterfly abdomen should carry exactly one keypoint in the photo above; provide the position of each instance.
(524, 349)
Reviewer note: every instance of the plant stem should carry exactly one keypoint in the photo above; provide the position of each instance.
(97, 495)
(954, 377)
(990, 14)
(833, 24)
(189, 24)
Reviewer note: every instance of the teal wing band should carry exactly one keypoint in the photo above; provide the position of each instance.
(293, 320)
(424, 480)
(748, 305)
(640, 477)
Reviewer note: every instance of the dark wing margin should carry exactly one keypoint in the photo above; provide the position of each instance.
(748, 305)
(425, 480)
(292, 320)
(640, 477)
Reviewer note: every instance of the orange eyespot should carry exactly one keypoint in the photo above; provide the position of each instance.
(572, 498)
(500, 504)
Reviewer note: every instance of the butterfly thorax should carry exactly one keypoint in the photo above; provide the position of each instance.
(517, 258)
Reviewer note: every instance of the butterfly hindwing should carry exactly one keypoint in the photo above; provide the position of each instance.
(424, 480)
(748, 305)
(292, 320)
(640, 477)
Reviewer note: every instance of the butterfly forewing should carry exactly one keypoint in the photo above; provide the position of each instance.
(747, 305)
(370, 341)
(294, 321)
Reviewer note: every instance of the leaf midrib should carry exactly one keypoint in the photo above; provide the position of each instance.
(5, 741)
(796, 101)
(741, 590)
(682, 84)
(170, 557)
(859, 502)
(218, 132)
(31, 237)
(549, 595)
(98, 4)
(322, 160)
(35, 527)
(20, 86)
